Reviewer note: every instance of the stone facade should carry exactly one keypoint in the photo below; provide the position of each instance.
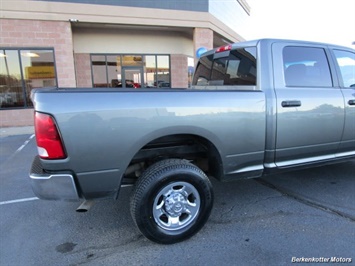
(83, 70)
(202, 38)
(178, 70)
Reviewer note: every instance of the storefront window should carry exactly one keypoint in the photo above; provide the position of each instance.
(132, 60)
(21, 70)
(38, 69)
(131, 71)
(114, 71)
(150, 68)
(163, 71)
(11, 93)
(99, 72)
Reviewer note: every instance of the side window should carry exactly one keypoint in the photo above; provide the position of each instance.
(346, 63)
(242, 67)
(203, 71)
(219, 71)
(239, 68)
(306, 67)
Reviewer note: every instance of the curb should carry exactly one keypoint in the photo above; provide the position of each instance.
(13, 131)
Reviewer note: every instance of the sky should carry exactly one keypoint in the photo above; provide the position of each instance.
(327, 21)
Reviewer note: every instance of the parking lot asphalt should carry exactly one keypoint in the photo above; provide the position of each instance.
(296, 217)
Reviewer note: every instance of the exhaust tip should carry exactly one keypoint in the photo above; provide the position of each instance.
(85, 206)
(81, 210)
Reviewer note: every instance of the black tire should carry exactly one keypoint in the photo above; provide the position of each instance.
(171, 201)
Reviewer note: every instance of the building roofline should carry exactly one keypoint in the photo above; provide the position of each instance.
(119, 15)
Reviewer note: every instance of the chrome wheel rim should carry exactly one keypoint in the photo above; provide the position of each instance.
(176, 206)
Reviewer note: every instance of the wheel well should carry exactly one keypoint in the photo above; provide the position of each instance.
(196, 149)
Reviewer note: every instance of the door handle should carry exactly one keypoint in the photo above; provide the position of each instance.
(291, 103)
(351, 102)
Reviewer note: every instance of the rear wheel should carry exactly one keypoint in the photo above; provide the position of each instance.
(171, 201)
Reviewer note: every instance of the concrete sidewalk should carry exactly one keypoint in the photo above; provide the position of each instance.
(10, 131)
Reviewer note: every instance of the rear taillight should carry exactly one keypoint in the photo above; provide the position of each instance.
(49, 143)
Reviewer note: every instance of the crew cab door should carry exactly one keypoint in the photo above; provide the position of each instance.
(345, 60)
(310, 104)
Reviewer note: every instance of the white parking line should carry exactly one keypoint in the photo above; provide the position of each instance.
(17, 201)
(25, 143)
(8, 159)
(18, 150)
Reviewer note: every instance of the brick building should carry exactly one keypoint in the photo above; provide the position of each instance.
(122, 43)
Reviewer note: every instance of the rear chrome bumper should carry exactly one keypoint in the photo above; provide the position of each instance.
(58, 186)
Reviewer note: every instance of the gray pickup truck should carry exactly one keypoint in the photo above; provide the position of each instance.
(255, 108)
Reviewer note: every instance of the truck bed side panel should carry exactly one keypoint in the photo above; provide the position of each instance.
(102, 131)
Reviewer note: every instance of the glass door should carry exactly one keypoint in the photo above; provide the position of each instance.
(132, 77)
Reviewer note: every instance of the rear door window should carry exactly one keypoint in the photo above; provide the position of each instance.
(306, 67)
